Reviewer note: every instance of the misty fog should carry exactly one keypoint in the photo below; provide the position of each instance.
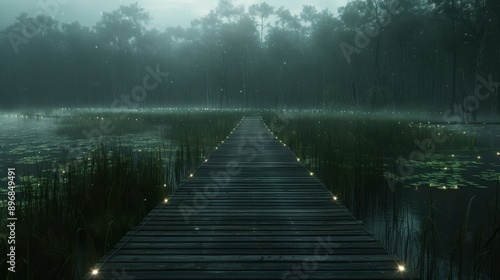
(234, 139)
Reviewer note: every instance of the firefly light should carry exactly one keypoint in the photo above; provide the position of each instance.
(166, 200)
(335, 197)
(95, 271)
(478, 157)
(191, 175)
(401, 268)
(298, 159)
(312, 174)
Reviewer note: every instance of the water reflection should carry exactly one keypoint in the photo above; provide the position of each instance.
(442, 207)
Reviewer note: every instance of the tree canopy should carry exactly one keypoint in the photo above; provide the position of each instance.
(428, 55)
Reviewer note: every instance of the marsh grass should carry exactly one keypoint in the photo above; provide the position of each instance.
(349, 154)
(473, 249)
(81, 209)
(75, 209)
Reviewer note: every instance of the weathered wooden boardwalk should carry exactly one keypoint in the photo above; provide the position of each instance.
(250, 212)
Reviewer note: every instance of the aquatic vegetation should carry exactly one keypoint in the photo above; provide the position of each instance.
(76, 207)
(356, 156)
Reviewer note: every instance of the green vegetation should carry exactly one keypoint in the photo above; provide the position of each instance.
(366, 55)
(75, 210)
(77, 206)
(350, 153)
(352, 156)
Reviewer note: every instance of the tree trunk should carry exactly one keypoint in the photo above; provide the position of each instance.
(454, 67)
(479, 60)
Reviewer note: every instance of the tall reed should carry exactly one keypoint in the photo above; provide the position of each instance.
(350, 155)
(74, 209)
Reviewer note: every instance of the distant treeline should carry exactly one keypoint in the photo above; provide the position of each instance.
(376, 55)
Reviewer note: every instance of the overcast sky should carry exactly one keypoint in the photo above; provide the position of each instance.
(165, 13)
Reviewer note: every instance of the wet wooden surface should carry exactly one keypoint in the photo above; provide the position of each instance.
(250, 212)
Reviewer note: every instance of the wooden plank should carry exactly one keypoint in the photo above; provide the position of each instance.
(235, 266)
(244, 245)
(269, 220)
(251, 274)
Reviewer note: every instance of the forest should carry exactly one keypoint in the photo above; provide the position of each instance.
(383, 113)
(439, 56)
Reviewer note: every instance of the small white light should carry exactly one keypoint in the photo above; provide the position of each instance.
(95, 271)
(164, 185)
(312, 174)
(478, 157)
(206, 160)
(298, 159)
(335, 198)
(191, 175)
(453, 155)
(498, 154)
(401, 267)
(166, 200)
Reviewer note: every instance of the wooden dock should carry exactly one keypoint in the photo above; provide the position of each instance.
(250, 212)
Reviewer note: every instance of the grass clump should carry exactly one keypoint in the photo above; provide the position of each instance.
(351, 155)
(76, 208)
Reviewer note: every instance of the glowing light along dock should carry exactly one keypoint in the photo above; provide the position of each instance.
(250, 212)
